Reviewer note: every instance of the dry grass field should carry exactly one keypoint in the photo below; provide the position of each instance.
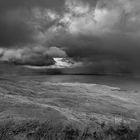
(31, 106)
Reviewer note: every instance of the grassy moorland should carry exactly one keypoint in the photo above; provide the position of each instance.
(34, 130)
(32, 108)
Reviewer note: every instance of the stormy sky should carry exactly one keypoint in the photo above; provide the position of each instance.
(96, 32)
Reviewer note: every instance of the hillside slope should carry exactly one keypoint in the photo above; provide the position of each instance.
(32, 97)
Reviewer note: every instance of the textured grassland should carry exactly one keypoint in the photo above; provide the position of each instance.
(34, 130)
(33, 108)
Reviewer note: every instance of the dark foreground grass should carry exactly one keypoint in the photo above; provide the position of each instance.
(35, 130)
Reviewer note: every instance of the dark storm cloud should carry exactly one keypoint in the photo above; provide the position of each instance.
(110, 54)
(14, 17)
(12, 4)
(90, 46)
(95, 32)
(106, 34)
(13, 30)
(12, 34)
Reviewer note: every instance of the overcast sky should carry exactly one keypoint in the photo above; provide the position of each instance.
(93, 31)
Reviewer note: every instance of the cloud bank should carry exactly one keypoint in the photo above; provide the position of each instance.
(31, 55)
